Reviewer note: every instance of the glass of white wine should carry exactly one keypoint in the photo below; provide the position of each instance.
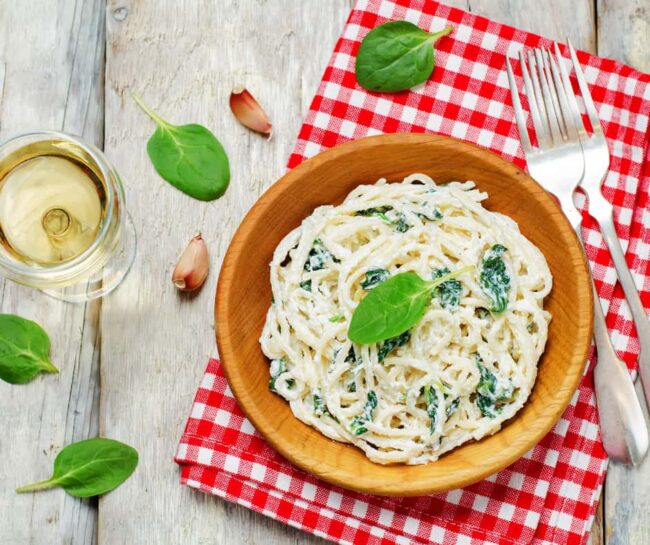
(63, 225)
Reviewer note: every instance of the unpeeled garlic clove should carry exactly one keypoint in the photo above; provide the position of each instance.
(249, 112)
(192, 267)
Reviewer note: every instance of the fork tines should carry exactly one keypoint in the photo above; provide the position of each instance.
(552, 110)
(552, 101)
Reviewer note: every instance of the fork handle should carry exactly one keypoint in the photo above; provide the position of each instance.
(622, 424)
(634, 300)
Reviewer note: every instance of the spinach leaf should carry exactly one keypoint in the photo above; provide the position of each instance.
(393, 307)
(431, 398)
(390, 309)
(89, 468)
(357, 426)
(396, 56)
(306, 285)
(400, 224)
(481, 313)
(430, 216)
(320, 408)
(318, 256)
(352, 358)
(490, 396)
(374, 277)
(24, 350)
(379, 212)
(494, 279)
(188, 156)
(448, 292)
(391, 344)
(452, 407)
(276, 369)
(319, 405)
(355, 366)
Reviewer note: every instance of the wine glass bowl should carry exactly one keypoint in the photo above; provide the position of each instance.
(54, 234)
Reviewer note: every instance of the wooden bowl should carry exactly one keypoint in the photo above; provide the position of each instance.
(244, 296)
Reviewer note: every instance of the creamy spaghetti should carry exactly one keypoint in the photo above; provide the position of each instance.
(467, 366)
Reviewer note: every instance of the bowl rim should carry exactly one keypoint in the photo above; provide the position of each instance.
(358, 482)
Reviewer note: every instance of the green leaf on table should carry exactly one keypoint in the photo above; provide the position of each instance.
(394, 306)
(188, 156)
(24, 350)
(89, 468)
(396, 56)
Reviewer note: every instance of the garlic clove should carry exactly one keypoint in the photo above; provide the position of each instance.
(192, 267)
(249, 112)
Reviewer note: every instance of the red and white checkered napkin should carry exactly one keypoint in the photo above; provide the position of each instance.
(550, 495)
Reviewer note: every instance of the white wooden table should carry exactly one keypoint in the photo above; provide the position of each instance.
(130, 364)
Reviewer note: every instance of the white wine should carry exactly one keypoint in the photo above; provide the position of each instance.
(63, 225)
(51, 209)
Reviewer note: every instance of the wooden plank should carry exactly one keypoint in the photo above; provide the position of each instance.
(3, 72)
(565, 18)
(624, 34)
(597, 536)
(184, 60)
(626, 502)
(624, 31)
(53, 53)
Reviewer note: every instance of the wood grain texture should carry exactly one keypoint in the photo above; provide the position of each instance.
(626, 502)
(624, 31)
(53, 79)
(244, 295)
(557, 19)
(184, 57)
(597, 530)
(624, 34)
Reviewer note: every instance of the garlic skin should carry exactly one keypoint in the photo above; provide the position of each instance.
(249, 112)
(192, 267)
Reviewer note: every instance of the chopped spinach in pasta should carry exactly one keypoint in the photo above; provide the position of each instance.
(416, 395)
(494, 278)
(449, 292)
(374, 277)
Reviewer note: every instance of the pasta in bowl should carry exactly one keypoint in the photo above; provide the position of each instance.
(467, 366)
(244, 297)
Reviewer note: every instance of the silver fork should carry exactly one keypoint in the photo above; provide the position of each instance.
(596, 155)
(557, 163)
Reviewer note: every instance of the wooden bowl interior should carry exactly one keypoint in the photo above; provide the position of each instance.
(244, 296)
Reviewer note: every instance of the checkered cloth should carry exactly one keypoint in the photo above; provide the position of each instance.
(550, 495)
